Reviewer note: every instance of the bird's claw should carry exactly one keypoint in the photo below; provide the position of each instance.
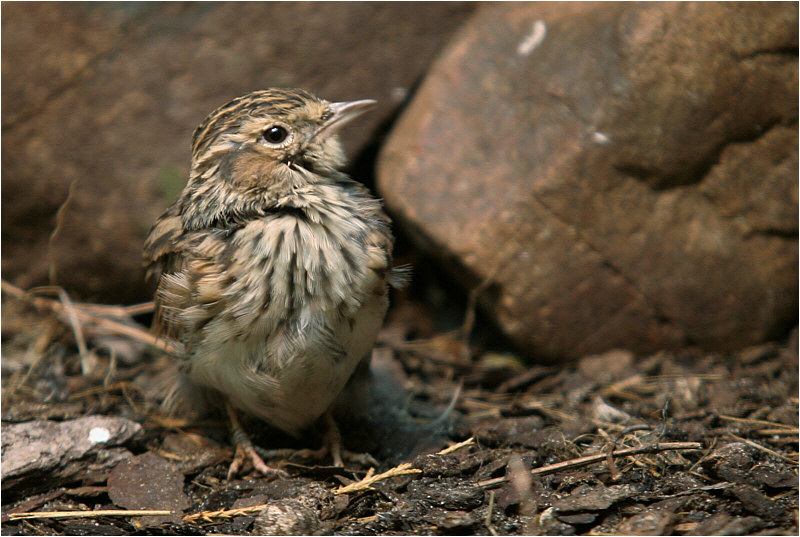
(244, 453)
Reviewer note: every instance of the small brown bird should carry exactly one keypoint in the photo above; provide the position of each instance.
(273, 266)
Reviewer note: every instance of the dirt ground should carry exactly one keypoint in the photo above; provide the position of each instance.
(467, 440)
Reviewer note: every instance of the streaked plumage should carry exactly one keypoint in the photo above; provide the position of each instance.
(272, 265)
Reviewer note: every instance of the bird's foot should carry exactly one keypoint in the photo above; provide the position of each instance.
(332, 442)
(331, 445)
(242, 454)
(245, 451)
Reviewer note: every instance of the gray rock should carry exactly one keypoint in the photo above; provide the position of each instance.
(84, 449)
(286, 517)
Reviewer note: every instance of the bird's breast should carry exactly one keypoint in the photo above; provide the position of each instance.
(321, 261)
(308, 307)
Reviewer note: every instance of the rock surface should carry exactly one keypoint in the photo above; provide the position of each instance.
(107, 96)
(286, 517)
(40, 454)
(625, 175)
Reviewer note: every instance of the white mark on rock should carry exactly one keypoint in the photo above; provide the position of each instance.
(600, 139)
(99, 435)
(535, 38)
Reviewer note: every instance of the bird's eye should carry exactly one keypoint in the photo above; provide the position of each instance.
(275, 134)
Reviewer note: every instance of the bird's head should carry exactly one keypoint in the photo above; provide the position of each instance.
(268, 142)
(273, 128)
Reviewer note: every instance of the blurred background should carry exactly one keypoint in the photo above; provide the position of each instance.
(599, 175)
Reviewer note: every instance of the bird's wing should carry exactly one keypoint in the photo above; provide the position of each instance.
(188, 280)
(163, 255)
(161, 248)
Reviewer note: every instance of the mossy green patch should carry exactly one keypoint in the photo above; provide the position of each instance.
(171, 180)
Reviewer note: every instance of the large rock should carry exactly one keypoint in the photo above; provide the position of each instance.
(108, 94)
(624, 174)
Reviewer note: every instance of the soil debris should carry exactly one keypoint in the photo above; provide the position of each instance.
(683, 443)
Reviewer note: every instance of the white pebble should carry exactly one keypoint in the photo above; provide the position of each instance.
(99, 435)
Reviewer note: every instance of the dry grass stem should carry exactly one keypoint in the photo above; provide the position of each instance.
(369, 480)
(34, 354)
(472, 303)
(791, 431)
(77, 330)
(125, 389)
(759, 422)
(121, 386)
(638, 387)
(488, 521)
(113, 310)
(764, 449)
(706, 454)
(51, 261)
(210, 516)
(451, 348)
(468, 442)
(86, 514)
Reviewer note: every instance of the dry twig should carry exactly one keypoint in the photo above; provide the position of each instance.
(86, 314)
(591, 459)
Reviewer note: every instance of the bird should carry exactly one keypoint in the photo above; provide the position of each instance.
(272, 267)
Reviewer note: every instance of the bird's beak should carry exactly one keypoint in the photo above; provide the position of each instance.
(343, 113)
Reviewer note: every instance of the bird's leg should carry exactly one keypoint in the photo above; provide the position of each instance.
(331, 444)
(245, 449)
(333, 439)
